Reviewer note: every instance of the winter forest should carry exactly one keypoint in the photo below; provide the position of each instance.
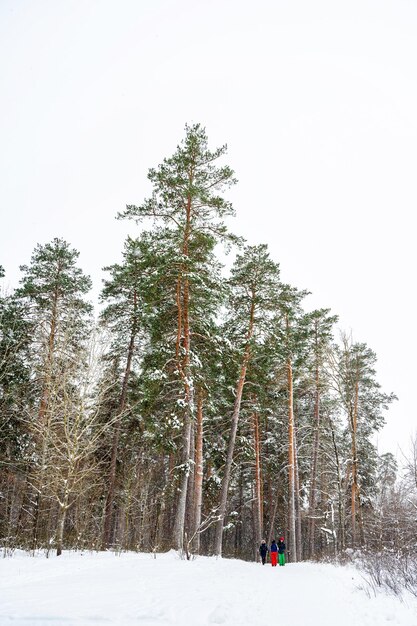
(201, 407)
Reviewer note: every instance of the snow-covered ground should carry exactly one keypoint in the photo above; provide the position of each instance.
(86, 589)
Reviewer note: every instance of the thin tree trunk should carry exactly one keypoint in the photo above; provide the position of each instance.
(360, 518)
(63, 508)
(313, 477)
(190, 509)
(272, 522)
(232, 438)
(354, 492)
(297, 499)
(238, 527)
(108, 508)
(340, 503)
(271, 501)
(198, 473)
(179, 320)
(255, 523)
(258, 480)
(291, 466)
(15, 508)
(162, 499)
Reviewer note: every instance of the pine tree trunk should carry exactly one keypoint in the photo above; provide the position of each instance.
(272, 502)
(232, 438)
(297, 499)
(313, 476)
(291, 466)
(185, 369)
(189, 507)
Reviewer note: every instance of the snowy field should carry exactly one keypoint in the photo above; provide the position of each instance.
(87, 589)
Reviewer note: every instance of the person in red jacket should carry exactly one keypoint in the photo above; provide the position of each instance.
(273, 553)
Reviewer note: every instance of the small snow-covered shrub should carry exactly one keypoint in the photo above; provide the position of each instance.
(390, 571)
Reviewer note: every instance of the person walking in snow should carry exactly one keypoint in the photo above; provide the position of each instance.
(281, 551)
(263, 551)
(274, 553)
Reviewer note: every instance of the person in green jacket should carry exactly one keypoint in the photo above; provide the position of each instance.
(281, 551)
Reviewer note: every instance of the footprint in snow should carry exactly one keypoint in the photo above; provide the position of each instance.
(218, 616)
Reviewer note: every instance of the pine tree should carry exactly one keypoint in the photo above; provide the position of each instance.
(53, 288)
(162, 403)
(186, 199)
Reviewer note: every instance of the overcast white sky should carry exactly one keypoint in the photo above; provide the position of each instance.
(317, 102)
